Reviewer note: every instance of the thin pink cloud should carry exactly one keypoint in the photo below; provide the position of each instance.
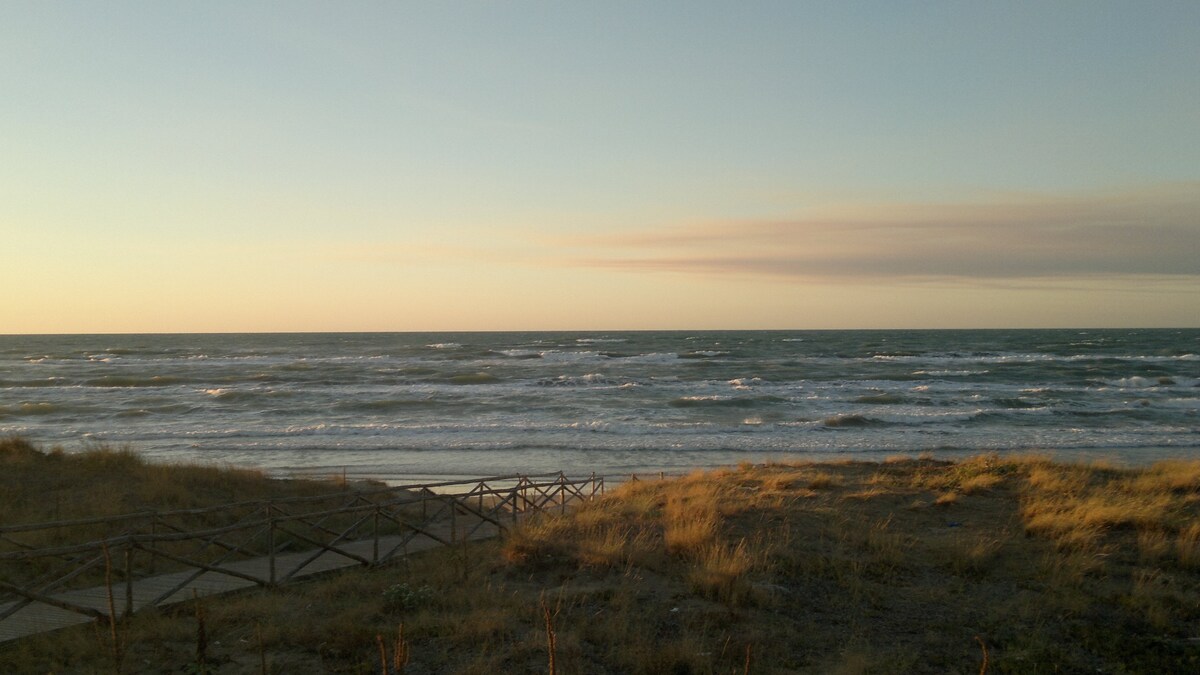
(1149, 232)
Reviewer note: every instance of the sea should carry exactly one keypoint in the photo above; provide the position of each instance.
(413, 406)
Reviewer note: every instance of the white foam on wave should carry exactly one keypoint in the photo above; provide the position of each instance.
(1140, 382)
(520, 353)
(652, 358)
(744, 383)
(592, 379)
(554, 356)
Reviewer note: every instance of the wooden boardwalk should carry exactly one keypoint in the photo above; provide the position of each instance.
(478, 514)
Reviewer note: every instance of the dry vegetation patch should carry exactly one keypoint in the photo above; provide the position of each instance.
(849, 567)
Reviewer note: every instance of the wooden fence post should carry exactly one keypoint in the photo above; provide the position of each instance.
(153, 541)
(270, 545)
(128, 578)
(375, 546)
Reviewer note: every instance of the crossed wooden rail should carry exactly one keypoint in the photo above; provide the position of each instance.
(66, 572)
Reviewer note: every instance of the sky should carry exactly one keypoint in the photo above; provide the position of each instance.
(392, 166)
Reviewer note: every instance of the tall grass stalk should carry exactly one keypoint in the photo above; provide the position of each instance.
(551, 637)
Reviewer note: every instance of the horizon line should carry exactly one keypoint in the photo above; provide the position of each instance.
(599, 330)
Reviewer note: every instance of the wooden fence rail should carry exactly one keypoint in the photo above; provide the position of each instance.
(61, 573)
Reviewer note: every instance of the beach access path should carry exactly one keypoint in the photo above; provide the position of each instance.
(41, 617)
(288, 544)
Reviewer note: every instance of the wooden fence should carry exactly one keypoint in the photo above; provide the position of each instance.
(66, 572)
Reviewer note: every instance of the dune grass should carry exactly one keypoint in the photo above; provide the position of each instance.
(38, 485)
(823, 568)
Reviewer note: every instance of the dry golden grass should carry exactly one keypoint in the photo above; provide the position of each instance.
(1187, 546)
(719, 570)
(1050, 567)
(823, 480)
(946, 499)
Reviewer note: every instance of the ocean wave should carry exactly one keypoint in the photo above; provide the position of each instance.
(851, 420)
(519, 353)
(744, 383)
(555, 356)
(227, 394)
(45, 382)
(650, 358)
(1015, 403)
(881, 399)
(1142, 411)
(387, 405)
(473, 378)
(590, 379)
(134, 381)
(230, 395)
(591, 425)
(1016, 358)
(120, 351)
(1142, 382)
(43, 409)
(716, 401)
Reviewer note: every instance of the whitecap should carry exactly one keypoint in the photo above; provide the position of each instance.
(520, 353)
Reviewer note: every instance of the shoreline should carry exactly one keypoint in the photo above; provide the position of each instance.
(1123, 457)
(582, 463)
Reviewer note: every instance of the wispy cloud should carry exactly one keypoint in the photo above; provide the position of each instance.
(1146, 232)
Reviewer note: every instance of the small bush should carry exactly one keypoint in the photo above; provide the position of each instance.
(405, 597)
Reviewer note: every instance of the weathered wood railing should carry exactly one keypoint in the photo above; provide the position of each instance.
(103, 568)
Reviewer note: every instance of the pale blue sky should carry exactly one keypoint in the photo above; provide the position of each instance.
(376, 166)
